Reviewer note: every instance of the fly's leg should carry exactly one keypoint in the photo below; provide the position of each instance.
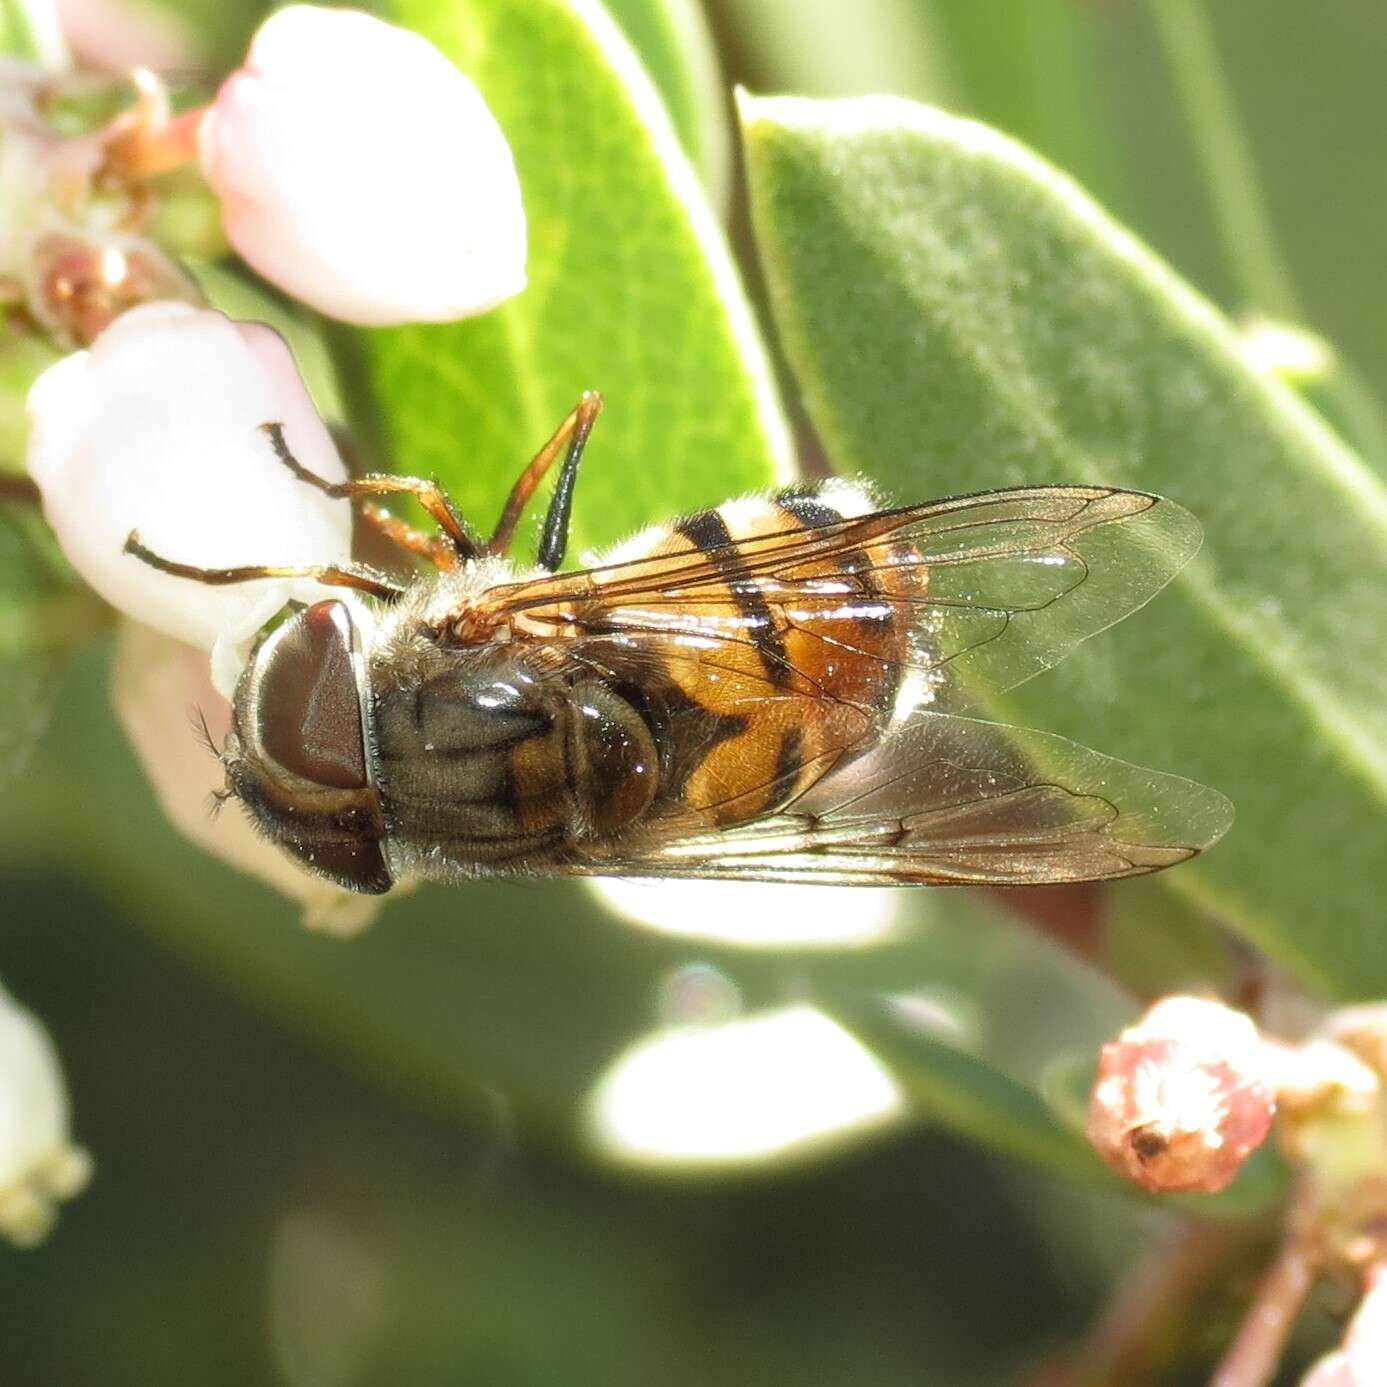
(427, 492)
(574, 432)
(332, 575)
(440, 552)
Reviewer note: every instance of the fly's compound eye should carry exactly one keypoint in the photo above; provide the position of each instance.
(303, 769)
(308, 712)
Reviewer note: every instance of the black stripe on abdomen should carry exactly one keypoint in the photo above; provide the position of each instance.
(813, 512)
(801, 504)
(804, 505)
(707, 532)
(788, 765)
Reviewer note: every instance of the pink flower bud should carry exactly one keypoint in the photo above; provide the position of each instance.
(156, 428)
(363, 173)
(1182, 1098)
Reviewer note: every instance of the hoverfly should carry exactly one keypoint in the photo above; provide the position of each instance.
(778, 689)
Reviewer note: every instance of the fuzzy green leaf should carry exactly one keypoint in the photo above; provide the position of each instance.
(44, 613)
(962, 316)
(631, 292)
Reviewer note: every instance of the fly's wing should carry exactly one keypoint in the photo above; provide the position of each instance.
(951, 800)
(991, 588)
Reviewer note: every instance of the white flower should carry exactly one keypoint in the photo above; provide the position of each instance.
(157, 428)
(38, 1163)
(363, 173)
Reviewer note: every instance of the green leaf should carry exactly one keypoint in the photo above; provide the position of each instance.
(1157, 942)
(1039, 70)
(826, 48)
(44, 612)
(952, 1086)
(24, 356)
(977, 1018)
(632, 292)
(672, 39)
(961, 316)
(43, 609)
(215, 33)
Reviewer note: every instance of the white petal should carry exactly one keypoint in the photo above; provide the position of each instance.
(363, 173)
(157, 428)
(38, 1163)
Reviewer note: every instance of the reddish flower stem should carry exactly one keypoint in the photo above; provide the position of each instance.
(1132, 1340)
(149, 150)
(1255, 1353)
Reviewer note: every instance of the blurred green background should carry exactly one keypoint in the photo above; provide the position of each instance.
(325, 1164)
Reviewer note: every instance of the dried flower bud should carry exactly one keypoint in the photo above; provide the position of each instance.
(1363, 1031)
(78, 283)
(1362, 1360)
(363, 173)
(38, 1163)
(1322, 1077)
(1182, 1098)
(157, 428)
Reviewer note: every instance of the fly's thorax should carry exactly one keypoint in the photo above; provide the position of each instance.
(297, 753)
(492, 755)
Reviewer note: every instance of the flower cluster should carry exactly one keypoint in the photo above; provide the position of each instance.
(355, 168)
(1184, 1097)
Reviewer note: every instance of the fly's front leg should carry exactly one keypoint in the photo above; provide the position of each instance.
(331, 575)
